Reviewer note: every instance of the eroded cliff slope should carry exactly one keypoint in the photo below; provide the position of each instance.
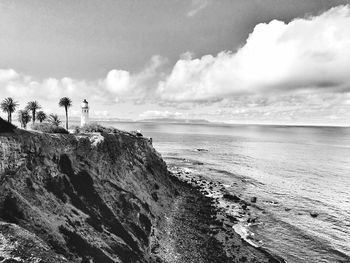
(80, 198)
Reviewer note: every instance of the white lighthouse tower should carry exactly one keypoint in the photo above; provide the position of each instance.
(84, 113)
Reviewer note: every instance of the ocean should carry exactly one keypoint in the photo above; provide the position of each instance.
(293, 171)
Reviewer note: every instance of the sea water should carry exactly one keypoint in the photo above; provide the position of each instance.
(293, 171)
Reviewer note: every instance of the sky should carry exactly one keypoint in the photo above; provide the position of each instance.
(234, 61)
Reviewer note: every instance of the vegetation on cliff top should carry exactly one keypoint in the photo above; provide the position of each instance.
(48, 128)
(93, 127)
(66, 103)
(30, 112)
(41, 116)
(24, 118)
(9, 106)
(54, 120)
(33, 106)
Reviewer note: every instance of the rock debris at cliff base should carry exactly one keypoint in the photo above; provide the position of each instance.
(191, 232)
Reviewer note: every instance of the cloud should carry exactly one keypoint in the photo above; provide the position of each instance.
(118, 81)
(134, 86)
(118, 85)
(296, 107)
(25, 87)
(287, 71)
(161, 114)
(308, 53)
(196, 6)
(7, 75)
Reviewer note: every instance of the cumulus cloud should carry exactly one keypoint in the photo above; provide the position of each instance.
(306, 53)
(284, 70)
(7, 75)
(118, 85)
(25, 87)
(118, 81)
(134, 86)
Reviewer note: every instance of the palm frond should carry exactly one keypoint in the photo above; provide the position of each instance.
(8, 105)
(54, 119)
(33, 105)
(65, 102)
(41, 116)
(24, 117)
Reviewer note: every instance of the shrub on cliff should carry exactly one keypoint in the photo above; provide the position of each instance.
(48, 128)
(93, 127)
(24, 118)
(6, 126)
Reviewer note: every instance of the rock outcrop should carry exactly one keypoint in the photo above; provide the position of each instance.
(80, 198)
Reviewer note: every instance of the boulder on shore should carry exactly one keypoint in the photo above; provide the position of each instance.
(230, 197)
(201, 150)
(253, 199)
(314, 214)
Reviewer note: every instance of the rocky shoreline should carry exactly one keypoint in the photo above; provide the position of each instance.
(204, 225)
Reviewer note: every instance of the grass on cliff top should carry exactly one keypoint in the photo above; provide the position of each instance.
(93, 127)
(6, 126)
(48, 128)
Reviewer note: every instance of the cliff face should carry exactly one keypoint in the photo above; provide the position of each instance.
(80, 198)
(6, 126)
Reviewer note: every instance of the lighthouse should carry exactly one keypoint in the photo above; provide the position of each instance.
(84, 113)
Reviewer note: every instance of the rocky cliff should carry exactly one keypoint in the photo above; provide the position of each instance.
(80, 198)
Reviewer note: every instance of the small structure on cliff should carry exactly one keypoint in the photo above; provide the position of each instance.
(84, 113)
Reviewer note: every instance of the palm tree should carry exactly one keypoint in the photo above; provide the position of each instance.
(9, 106)
(66, 103)
(24, 118)
(41, 116)
(33, 106)
(54, 120)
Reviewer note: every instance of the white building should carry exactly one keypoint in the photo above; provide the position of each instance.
(84, 113)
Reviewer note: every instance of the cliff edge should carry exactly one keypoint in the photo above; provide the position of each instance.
(80, 198)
